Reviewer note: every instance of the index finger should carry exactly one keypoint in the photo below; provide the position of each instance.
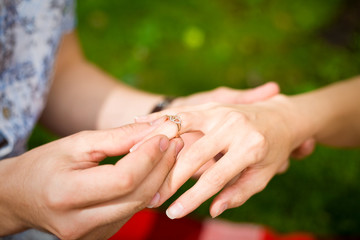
(189, 122)
(172, 111)
(189, 162)
(86, 187)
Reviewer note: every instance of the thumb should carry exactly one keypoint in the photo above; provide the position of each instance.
(260, 93)
(107, 143)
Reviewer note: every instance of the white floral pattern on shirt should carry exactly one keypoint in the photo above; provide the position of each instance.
(30, 33)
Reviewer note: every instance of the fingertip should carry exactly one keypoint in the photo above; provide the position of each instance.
(305, 149)
(310, 144)
(175, 211)
(219, 210)
(160, 201)
(218, 206)
(273, 86)
(164, 143)
(260, 93)
(268, 89)
(179, 144)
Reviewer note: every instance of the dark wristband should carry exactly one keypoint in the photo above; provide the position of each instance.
(163, 104)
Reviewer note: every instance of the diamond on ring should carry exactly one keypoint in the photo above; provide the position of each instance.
(175, 119)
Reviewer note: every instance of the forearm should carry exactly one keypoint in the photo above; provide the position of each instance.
(331, 114)
(122, 104)
(9, 222)
(84, 97)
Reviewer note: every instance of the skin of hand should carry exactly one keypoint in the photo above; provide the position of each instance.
(231, 96)
(222, 95)
(61, 188)
(241, 171)
(255, 140)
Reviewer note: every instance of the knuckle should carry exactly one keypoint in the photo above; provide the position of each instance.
(235, 117)
(258, 139)
(258, 144)
(214, 179)
(126, 183)
(57, 200)
(238, 200)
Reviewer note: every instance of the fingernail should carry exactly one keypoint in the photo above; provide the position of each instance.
(154, 201)
(164, 144)
(175, 211)
(134, 147)
(221, 209)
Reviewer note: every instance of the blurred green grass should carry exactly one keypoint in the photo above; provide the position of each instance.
(181, 47)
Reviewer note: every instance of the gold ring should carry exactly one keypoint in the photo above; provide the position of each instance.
(175, 119)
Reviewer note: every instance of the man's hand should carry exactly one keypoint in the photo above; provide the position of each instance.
(60, 188)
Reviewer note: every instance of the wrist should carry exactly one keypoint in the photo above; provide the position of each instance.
(296, 118)
(164, 104)
(123, 104)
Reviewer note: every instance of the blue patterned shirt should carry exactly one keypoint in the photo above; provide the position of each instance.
(30, 33)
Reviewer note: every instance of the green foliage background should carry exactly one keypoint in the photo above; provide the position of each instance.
(181, 47)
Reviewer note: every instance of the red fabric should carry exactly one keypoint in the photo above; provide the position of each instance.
(270, 235)
(138, 227)
(152, 225)
(178, 229)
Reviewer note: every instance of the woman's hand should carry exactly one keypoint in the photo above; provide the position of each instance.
(229, 96)
(60, 188)
(255, 141)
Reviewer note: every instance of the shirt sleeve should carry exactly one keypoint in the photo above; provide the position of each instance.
(69, 18)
